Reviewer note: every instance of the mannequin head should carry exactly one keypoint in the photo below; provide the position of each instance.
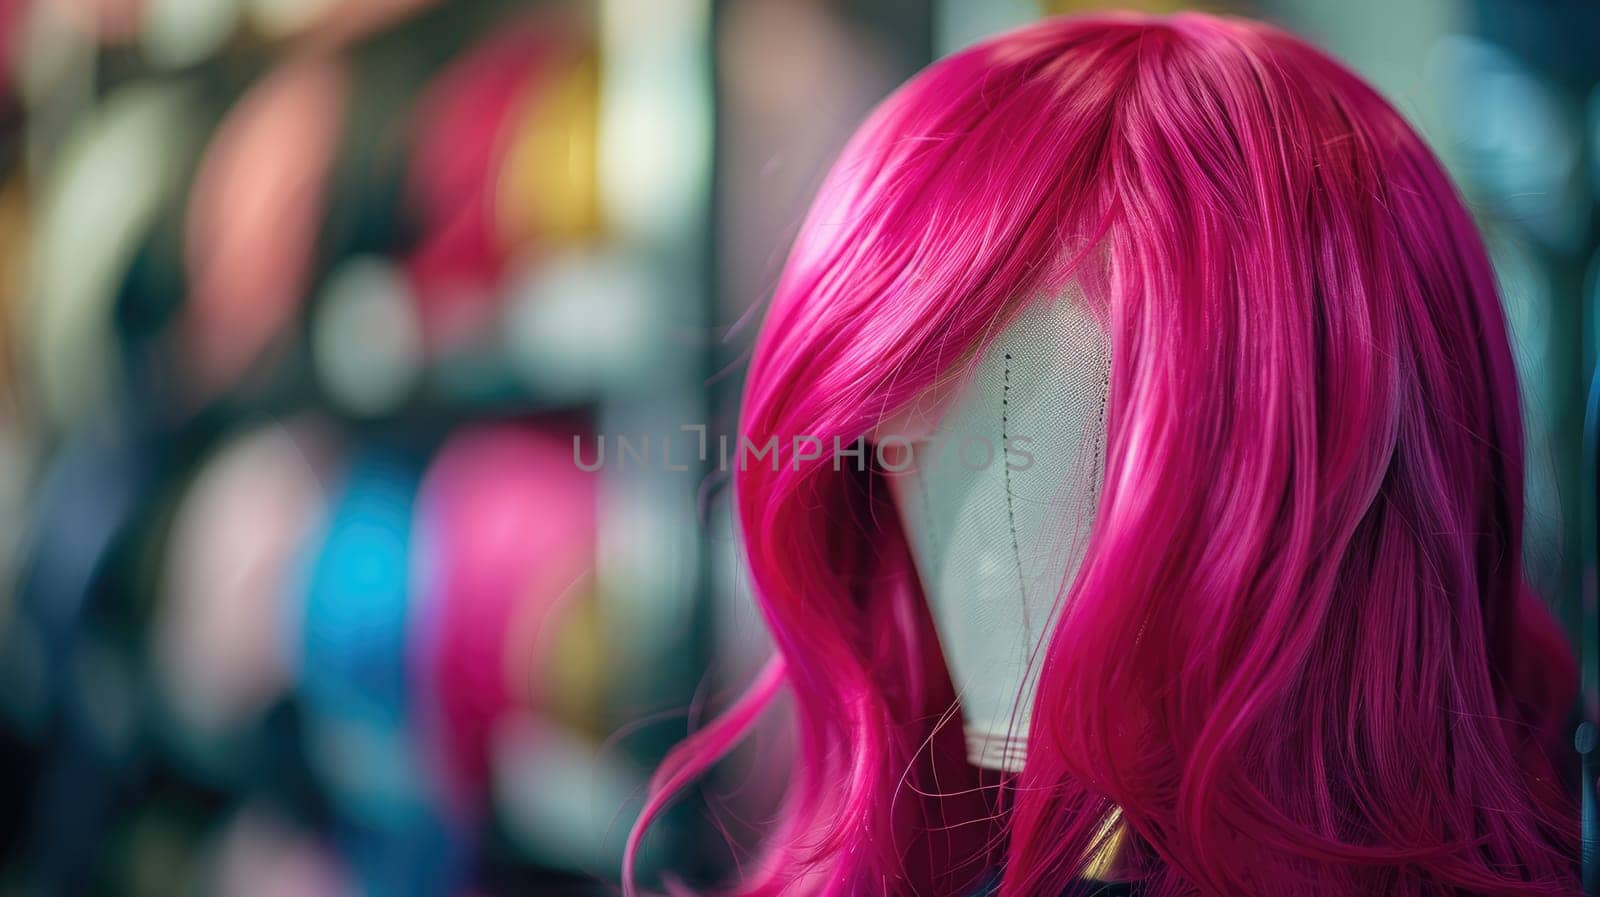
(996, 490)
(1293, 648)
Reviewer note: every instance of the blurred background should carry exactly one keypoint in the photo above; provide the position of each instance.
(303, 303)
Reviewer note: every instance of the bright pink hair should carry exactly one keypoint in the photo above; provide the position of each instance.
(1299, 656)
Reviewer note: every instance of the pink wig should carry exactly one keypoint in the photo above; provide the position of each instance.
(508, 527)
(1299, 656)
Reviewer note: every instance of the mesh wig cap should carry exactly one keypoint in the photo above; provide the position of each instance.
(997, 499)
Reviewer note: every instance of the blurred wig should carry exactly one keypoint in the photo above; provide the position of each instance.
(1298, 656)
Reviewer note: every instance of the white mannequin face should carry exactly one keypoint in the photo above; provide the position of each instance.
(998, 544)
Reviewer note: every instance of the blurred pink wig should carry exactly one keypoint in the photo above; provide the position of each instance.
(1299, 656)
(507, 530)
